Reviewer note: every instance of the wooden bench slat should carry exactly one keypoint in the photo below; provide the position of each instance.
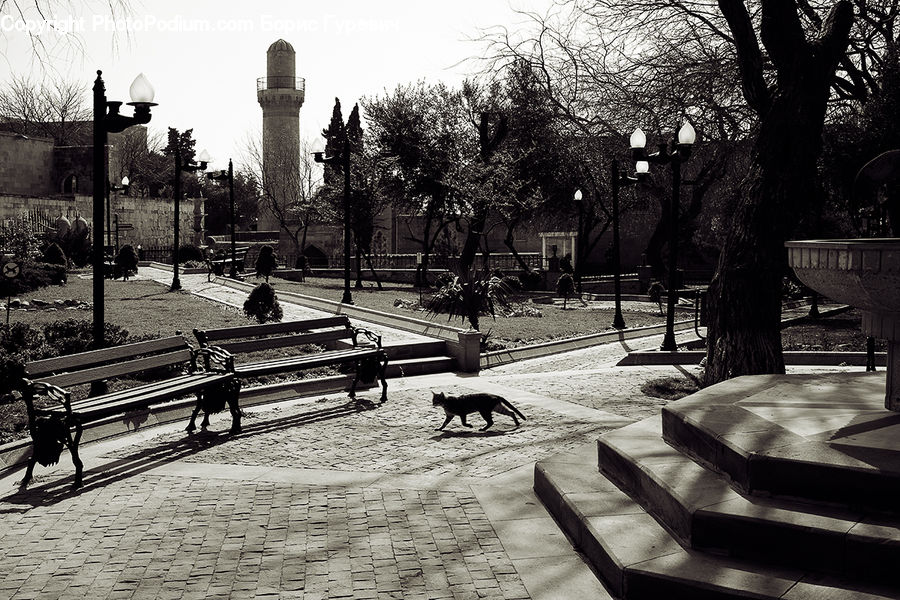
(285, 341)
(210, 335)
(300, 363)
(58, 364)
(108, 404)
(134, 392)
(118, 369)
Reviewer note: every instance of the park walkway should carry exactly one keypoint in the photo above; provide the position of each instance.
(320, 498)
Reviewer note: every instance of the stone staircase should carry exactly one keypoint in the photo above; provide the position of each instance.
(410, 358)
(709, 500)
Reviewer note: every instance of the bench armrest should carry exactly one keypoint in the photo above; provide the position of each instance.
(221, 357)
(372, 337)
(39, 388)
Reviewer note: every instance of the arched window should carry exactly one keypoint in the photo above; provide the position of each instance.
(70, 184)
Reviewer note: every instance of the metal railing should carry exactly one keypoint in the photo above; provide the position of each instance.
(503, 262)
(281, 82)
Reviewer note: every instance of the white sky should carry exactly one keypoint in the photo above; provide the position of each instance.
(203, 57)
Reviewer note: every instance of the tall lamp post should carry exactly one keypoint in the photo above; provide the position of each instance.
(674, 156)
(344, 160)
(179, 168)
(113, 188)
(619, 180)
(108, 120)
(579, 201)
(229, 177)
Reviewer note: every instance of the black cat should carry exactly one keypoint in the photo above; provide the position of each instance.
(485, 404)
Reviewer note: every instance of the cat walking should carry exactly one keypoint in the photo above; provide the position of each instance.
(466, 404)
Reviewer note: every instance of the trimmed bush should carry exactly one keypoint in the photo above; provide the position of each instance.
(262, 304)
(54, 255)
(126, 261)
(565, 287)
(34, 276)
(77, 335)
(187, 252)
(531, 280)
(23, 343)
(655, 292)
(266, 263)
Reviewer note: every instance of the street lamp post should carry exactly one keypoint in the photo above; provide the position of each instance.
(344, 160)
(108, 120)
(579, 248)
(113, 188)
(229, 177)
(674, 156)
(619, 180)
(179, 168)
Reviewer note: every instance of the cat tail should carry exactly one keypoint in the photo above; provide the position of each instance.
(514, 409)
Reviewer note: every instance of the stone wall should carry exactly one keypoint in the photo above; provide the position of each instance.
(26, 164)
(152, 218)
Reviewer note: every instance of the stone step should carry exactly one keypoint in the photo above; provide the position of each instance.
(420, 366)
(705, 512)
(415, 349)
(638, 559)
(832, 442)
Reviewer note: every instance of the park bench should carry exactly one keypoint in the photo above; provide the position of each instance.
(57, 378)
(219, 263)
(336, 332)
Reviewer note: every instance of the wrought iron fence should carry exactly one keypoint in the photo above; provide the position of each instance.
(503, 262)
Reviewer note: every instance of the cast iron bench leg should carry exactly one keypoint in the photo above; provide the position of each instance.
(73, 450)
(233, 394)
(355, 381)
(30, 468)
(383, 359)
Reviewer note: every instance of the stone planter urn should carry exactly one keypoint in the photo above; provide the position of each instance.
(865, 274)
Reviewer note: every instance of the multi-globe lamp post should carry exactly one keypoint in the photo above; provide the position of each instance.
(108, 120)
(678, 153)
(181, 167)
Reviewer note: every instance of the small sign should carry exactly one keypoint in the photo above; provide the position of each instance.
(11, 270)
(125, 226)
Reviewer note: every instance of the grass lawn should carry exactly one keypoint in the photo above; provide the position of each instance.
(554, 321)
(142, 307)
(841, 332)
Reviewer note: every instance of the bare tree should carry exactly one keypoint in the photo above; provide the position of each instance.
(52, 108)
(51, 26)
(602, 74)
(287, 185)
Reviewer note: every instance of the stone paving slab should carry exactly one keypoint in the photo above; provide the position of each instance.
(314, 500)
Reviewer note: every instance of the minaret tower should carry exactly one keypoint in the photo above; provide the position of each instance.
(280, 94)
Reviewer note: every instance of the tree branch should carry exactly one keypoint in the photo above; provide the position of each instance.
(782, 33)
(836, 33)
(750, 61)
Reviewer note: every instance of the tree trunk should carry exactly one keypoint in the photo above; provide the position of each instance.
(473, 237)
(359, 283)
(509, 242)
(374, 272)
(744, 335)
